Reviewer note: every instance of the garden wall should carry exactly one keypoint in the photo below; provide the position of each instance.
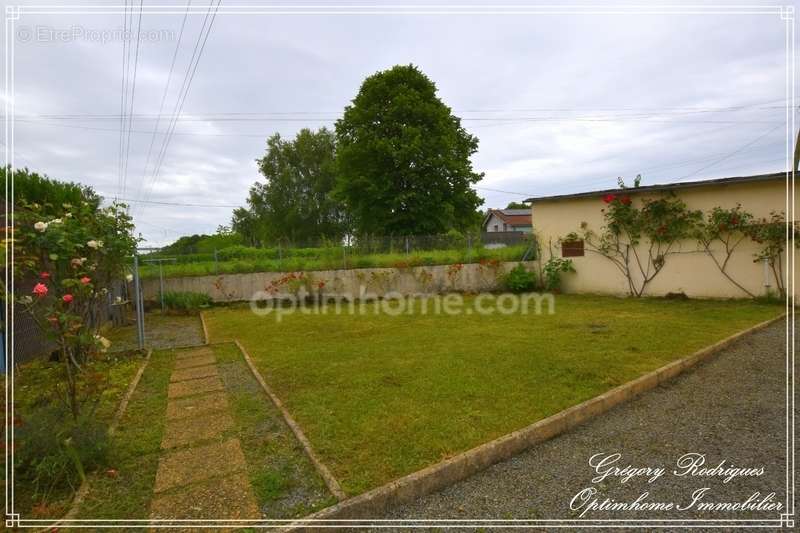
(472, 277)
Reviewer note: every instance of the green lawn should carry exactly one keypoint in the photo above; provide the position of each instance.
(382, 396)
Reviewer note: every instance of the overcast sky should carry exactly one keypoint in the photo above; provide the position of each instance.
(560, 103)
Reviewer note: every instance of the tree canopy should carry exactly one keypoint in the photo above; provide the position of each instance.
(294, 204)
(403, 158)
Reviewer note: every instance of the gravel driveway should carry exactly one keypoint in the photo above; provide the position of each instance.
(731, 408)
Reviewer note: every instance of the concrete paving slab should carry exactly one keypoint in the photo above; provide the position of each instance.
(195, 386)
(197, 464)
(194, 373)
(230, 497)
(200, 350)
(196, 360)
(195, 429)
(196, 405)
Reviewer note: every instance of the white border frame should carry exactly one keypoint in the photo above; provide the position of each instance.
(786, 13)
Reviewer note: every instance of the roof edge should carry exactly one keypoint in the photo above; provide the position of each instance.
(665, 186)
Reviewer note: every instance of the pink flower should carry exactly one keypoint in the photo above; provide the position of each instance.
(40, 290)
(67, 298)
(86, 280)
(44, 275)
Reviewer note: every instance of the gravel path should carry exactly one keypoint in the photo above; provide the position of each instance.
(732, 409)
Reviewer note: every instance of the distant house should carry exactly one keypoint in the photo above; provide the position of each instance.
(508, 220)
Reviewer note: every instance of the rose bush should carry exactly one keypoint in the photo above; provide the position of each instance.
(74, 251)
(773, 234)
(639, 239)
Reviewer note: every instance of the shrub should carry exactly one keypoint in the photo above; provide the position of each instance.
(70, 253)
(552, 272)
(519, 279)
(54, 451)
(186, 301)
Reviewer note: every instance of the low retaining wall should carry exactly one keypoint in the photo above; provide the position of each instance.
(470, 277)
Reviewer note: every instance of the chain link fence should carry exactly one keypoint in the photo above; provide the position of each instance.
(362, 252)
(30, 342)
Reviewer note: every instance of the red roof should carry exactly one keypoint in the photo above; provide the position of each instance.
(513, 220)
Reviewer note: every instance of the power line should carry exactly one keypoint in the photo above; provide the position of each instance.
(163, 100)
(123, 97)
(188, 78)
(205, 116)
(133, 97)
(525, 195)
(731, 154)
(174, 204)
(653, 118)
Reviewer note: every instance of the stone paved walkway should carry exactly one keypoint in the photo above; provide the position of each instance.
(201, 475)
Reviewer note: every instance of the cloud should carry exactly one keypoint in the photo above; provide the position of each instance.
(560, 103)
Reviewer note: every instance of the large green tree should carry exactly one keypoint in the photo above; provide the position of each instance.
(403, 158)
(294, 204)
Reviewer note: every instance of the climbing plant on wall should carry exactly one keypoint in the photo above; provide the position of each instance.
(727, 228)
(773, 234)
(639, 239)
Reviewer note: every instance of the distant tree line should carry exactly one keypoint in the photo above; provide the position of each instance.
(397, 163)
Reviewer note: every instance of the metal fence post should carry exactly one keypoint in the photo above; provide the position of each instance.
(139, 306)
(407, 248)
(161, 282)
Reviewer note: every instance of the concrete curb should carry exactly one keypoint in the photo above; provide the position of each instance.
(205, 328)
(327, 476)
(441, 475)
(83, 490)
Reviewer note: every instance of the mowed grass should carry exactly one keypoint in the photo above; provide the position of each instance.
(125, 490)
(382, 396)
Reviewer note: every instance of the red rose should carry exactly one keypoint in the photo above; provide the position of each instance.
(44, 275)
(608, 198)
(40, 290)
(67, 298)
(85, 280)
(626, 200)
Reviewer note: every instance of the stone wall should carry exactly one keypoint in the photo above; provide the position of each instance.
(362, 282)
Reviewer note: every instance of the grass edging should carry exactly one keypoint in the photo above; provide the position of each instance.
(445, 473)
(205, 327)
(327, 476)
(83, 490)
